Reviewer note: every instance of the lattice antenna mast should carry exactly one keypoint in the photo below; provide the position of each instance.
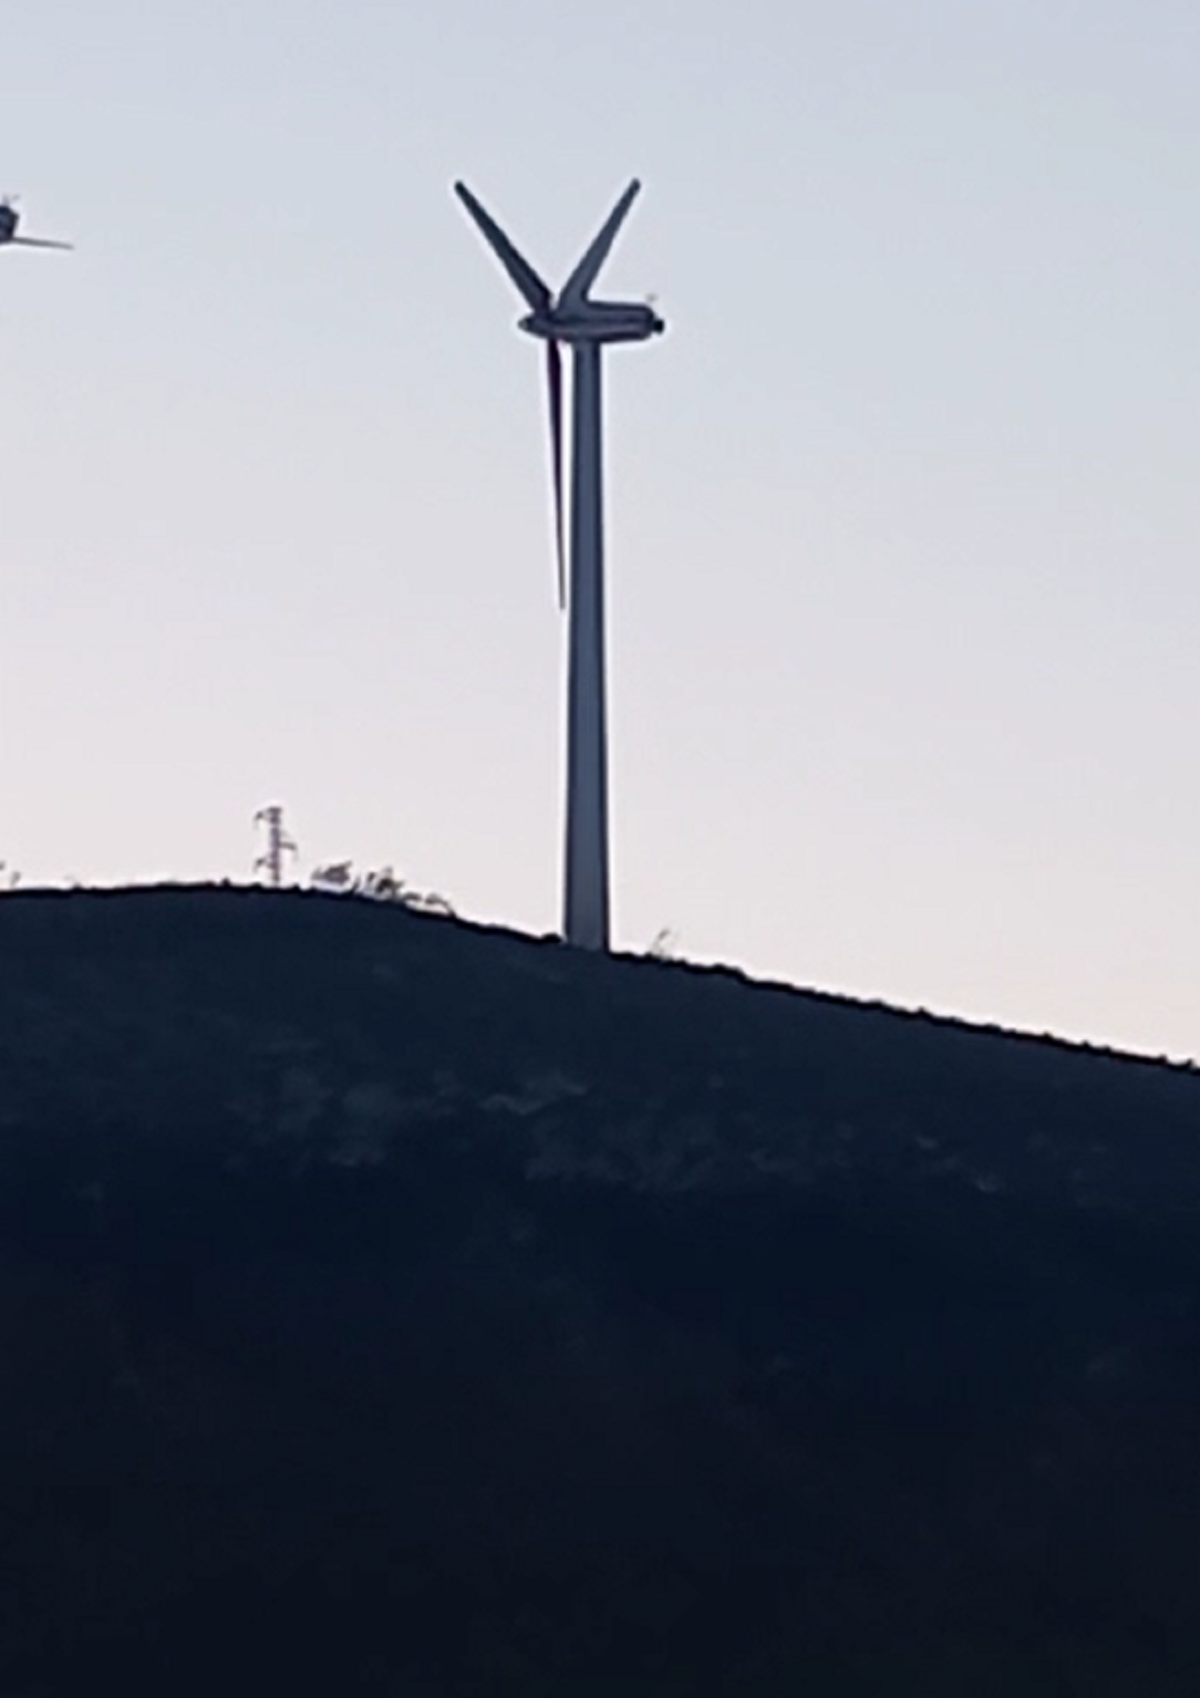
(279, 845)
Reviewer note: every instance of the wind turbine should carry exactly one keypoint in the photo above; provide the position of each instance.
(9, 220)
(586, 326)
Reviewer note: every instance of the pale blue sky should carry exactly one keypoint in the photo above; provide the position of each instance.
(904, 513)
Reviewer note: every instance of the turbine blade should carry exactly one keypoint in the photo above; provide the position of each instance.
(39, 242)
(554, 377)
(586, 272)
(517, 266)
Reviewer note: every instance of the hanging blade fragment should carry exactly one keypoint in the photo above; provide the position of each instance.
(517, 266)
(554, 385)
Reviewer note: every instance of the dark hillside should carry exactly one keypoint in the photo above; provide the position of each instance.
(390, 1307)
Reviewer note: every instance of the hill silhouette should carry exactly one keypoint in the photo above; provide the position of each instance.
(394, 1307)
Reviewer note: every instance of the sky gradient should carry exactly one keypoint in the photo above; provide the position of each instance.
(903, 509)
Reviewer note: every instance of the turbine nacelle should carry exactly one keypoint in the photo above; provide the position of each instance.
(596, 321)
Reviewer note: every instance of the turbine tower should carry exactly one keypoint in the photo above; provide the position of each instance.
(585, 326)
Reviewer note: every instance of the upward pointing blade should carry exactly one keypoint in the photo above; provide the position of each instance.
(554, 377)
(586, 272)
(517, 266)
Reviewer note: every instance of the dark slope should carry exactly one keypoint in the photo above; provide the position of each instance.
(389, 1307)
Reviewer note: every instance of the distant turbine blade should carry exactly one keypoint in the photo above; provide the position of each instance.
(39, 242)
(517, 266)
(554, 376)
(586, 272)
